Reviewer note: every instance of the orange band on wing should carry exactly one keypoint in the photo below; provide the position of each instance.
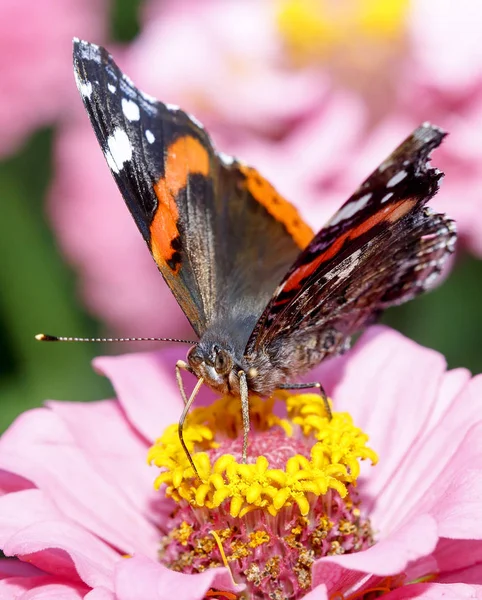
(186, 156)
(391, 213)
(284, 212)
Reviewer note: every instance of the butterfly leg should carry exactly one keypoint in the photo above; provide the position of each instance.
(243, 392)
(306, 386)
(180, 428)
(181, 364)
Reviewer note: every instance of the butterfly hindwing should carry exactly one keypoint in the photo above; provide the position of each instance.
(381, 248)
(219, 233)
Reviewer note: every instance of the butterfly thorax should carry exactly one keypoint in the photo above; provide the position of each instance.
(221, 368)
(220, 357)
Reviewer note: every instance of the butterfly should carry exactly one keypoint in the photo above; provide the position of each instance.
(267, 298)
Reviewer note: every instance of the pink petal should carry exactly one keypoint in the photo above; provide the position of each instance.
(436, 591)
(40, 544)
(146, 387)
(455, 498)
(389, 556)
(470, 575)
(40, 588)
(455, 557)
(451, 386)
(9, 482)
(32, 527)
(12, 568)
(446, 480)
(39, 447)
(102, 432)
(389, 384)
(140, 577)
(59, 591)
(100, 594)
(319, 593)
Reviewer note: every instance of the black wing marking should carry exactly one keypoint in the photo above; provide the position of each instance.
(379, 249)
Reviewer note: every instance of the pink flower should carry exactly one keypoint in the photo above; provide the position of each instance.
(79, 508)
(35, 65)
(231, 74)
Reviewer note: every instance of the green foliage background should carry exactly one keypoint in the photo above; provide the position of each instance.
(38, 289)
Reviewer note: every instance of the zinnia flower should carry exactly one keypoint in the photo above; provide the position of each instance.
(80, 513)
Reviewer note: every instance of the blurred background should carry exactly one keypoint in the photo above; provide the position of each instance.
(315, 93)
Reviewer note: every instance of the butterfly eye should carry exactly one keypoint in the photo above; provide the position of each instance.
(194, 357)
(223, 362)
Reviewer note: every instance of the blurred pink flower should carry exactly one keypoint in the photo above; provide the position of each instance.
(77, 493)
(36, 83)
(315, 121)
(223, 62)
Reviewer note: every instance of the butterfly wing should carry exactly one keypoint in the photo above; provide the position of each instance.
(216, 229)
(382, 247)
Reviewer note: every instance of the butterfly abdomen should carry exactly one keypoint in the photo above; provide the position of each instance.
(286, 363)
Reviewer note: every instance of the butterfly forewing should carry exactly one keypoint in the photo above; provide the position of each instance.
(220, 234)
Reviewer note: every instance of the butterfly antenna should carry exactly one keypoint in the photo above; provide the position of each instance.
(44, 337)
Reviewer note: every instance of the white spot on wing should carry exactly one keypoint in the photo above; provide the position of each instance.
(149, 98)
(226, 158)
(386, 197)
(451, 244)
(195, 121)
(431, 279)
(346, 267)
(173, 107)
(112, 88)
(128, 80)
(350, 209)
(130, 110)
(397, 178)
(88, 51)
(150, 136)
(119, 150)
(84, 87)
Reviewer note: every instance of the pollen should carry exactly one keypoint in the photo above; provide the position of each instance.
(294, 501)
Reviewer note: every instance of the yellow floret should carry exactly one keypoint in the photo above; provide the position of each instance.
(333, 462)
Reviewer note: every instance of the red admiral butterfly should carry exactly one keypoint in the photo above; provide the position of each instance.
(268, 299)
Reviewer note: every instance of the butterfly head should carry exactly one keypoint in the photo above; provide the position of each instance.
(216, 365)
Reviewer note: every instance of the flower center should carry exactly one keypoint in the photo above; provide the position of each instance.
(314, 28)
(360, 44)
(268, 520)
